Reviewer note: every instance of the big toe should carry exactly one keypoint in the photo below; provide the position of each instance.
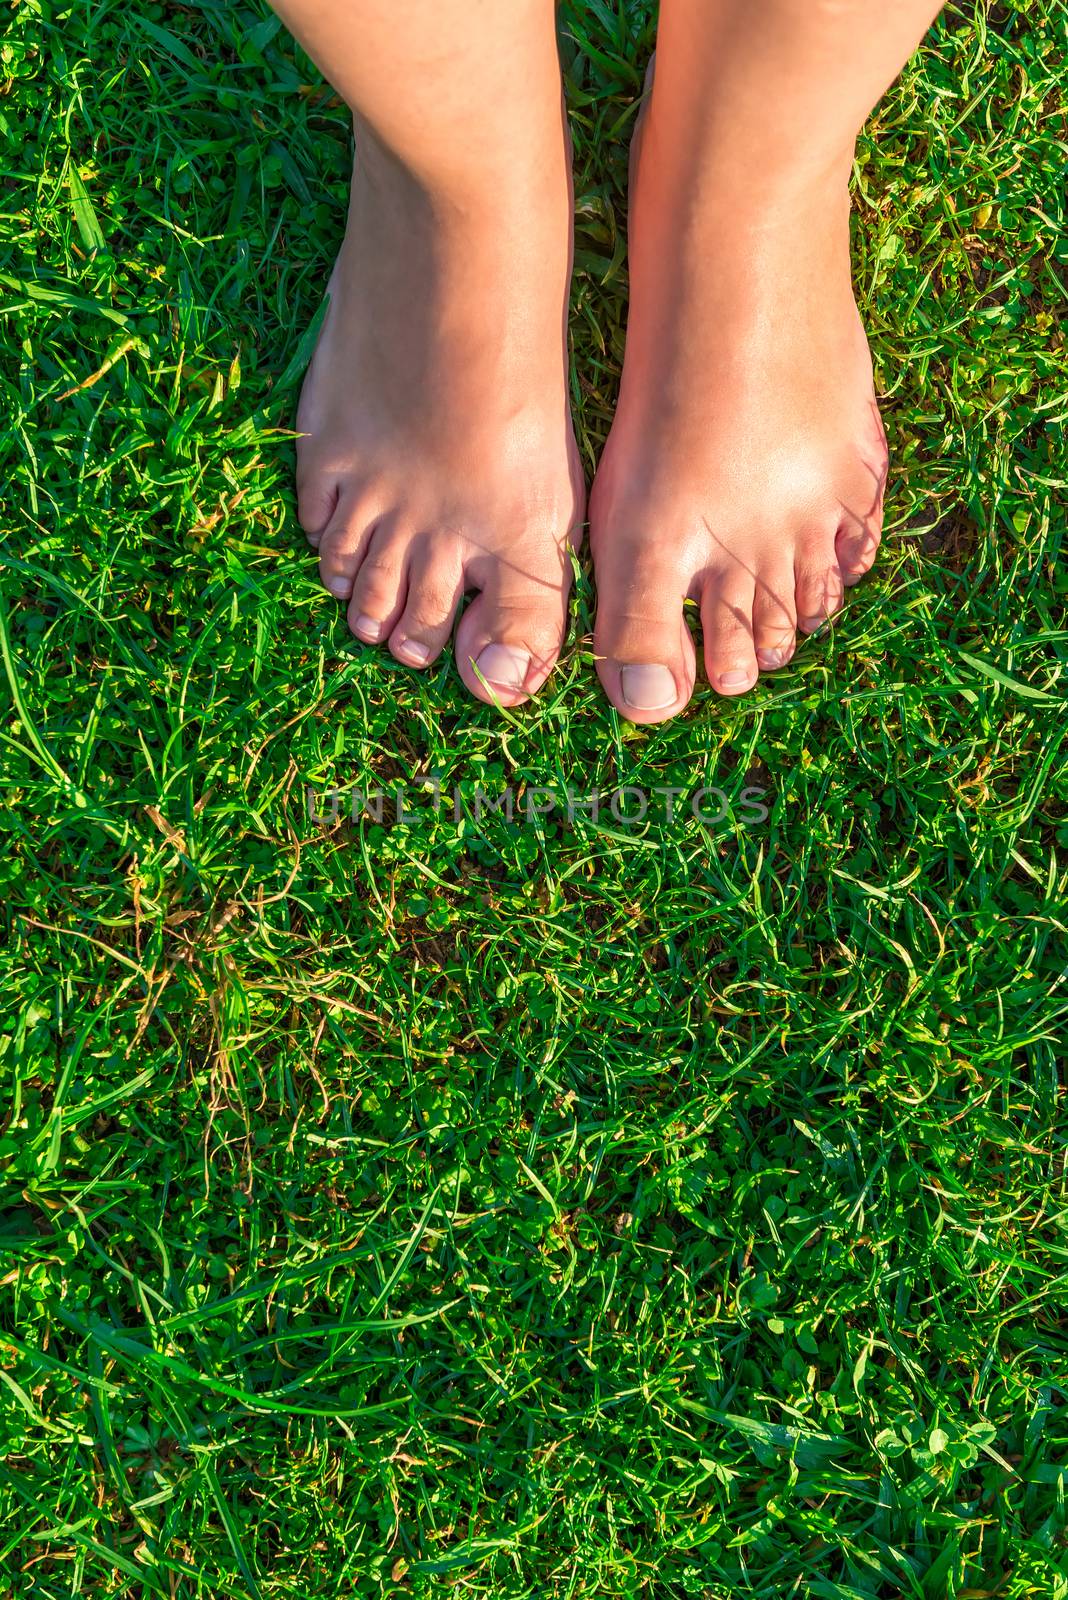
(645, 655)
(510, 636)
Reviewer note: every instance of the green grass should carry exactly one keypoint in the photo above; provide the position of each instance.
(593, 1210)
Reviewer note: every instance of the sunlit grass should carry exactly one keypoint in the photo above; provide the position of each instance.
(566, 1209)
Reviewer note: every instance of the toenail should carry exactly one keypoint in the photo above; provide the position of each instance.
(504, 666)
(418, 654)
(340, 586)
(735, 678)
(770, 658)
(648, 687)
(368, 628)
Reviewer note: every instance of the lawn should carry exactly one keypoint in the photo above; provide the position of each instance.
(558, 1206)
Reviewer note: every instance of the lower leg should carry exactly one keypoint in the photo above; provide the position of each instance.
(436, 453)
(773, 96)
(746, 464)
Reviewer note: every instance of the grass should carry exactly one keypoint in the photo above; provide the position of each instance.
(576, 1209)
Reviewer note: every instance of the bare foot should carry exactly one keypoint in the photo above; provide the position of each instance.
(746, 465)
(438, 454)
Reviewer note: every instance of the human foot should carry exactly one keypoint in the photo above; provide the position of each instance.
(746, 464)
(437, 453)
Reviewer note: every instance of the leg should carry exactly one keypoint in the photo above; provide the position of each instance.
(746, 465)
(437, 453)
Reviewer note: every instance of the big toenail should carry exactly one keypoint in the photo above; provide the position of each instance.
(504, 666)
(735, 678)
(418, 654)
(648, 687)
(340, 586)
(368, 628)
(770, 658)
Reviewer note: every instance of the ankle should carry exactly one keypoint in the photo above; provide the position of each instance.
(723, 199)
(454, 180)
(740, 167)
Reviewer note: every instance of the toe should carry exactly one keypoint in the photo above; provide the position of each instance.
(727, 619)
(318, 494)
(342, 545)
(857, 545)
(379, 586)
(774, 618)
(860, 526)
(645, 655)
(435, 584)
(818, 589)
(509, 637)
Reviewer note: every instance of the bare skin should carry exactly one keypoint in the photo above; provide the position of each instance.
(438, 455)
(747, 461)
(746, 466)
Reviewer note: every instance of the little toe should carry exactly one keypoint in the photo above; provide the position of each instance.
(317, 500)
(380, 586)
(645, 655)
(435, 584)
(727, 620)
(774, 618)
(857, 545)
(509, 637)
